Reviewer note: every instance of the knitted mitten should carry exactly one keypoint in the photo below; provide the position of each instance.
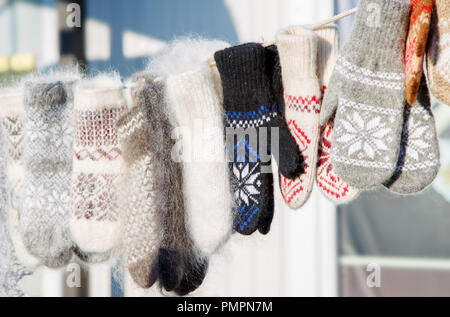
(11, 270)
(415, 46)
(298, 55)
(438, 55)
(47, 154)
(179, 266)
(251, 115)
(333, 187)
(98, 165)
(288, 160)
(141, 235)
(194, 101)
(11, 117)
(367, 88)
(418, 163)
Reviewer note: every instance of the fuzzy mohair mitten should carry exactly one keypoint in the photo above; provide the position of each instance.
(11, 117)
(333, 187)
(438, 54)
(367, 89)
(416, 44)
(11, 270)
(95, 224)
(252, 115)
(180, 266)
(297, 48)
(141, 233)
(47, 155)
(194, 101)
(418, 162)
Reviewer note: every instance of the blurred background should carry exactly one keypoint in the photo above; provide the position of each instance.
(378, 245)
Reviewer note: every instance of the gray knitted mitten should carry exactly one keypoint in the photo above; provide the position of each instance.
(418, 162)
(141, 234)
(11, 270)
(11, 117)
(44, 221)
(367, 89)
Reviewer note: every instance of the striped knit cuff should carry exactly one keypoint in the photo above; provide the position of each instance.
(244, 78)
(195, 89)
(11, 100)
(297, 47)
(98, 93)
(380, 26)
(328, 49)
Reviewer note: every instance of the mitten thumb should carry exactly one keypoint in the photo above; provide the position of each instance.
(289, 158)
(329, 102)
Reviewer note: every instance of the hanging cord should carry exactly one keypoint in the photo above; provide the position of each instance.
(333, 19)
(313, 27)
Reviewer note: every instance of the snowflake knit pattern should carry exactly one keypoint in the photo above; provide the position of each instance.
(367, 89)
(11, 270)
(298, 58)
(141, 234)
(11, 117)
(416, 44)
(333, 187)
(418, 163)
(48, 139)
(438, 55)
(98, 164)
(251, 111)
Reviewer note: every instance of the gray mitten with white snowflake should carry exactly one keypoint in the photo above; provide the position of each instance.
(367, 89)
(48, 143)
(418, 162)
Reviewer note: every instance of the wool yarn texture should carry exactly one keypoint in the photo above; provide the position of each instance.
(438, 54)
(98, 164)
(47, 157)
(250, 114)
(206, 209)
(330, 184)
(418, 162)
(141, 234)
(11, 269)
(297, 48)
(367, 91)
(288, 161)
(416, 44)
(185, 56)
(199, 117)
(11, 117)
(180, 267)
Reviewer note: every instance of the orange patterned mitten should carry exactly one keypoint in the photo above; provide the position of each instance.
(416, 45)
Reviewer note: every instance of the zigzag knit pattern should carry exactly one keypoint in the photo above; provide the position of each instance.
(141, 235)
(252, 119)
(329, 182)
(96, 140)
(98, 165)
(290, 189)
(303, 104)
